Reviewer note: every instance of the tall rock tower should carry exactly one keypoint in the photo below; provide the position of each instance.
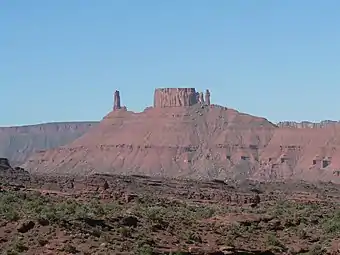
(116, 101)
(207, 97)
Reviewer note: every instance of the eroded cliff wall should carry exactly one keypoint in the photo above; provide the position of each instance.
(175, 97)
(184, 136)
(177, 138)
(18, 143)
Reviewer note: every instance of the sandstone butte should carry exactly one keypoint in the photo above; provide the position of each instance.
(183, 136)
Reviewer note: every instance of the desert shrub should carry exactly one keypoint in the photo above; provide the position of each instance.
(15, 205)
(204, 212)
(9, 206)
(125, 231)
(17, 247)
(70, 249)
(316, 249)
(235, 230)
(193, 237)
(155, 213)
(112, 209)
(145, 250)
(9, 212)
(332, 224)
(301, 233)
(271, 240)
(230, 241)
(70, 210)
(42, 241)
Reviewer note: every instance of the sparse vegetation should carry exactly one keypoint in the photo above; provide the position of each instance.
(151, 223)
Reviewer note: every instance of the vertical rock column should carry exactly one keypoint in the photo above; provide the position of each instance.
(200, 98)
(207, 97)
(116, 101)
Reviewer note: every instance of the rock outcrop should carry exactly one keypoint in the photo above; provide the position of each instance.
(18, 143)
(116, 101)
(8, 174)
(305, 153)
(4, 163)
(174, 97)
(207, 97)
(200, 98)
(308, 124)
(177, 138)
(180, 137)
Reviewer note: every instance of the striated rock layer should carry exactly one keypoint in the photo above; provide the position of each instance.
(305, 153)
(183, 137)
(193, 142)
(308, 124)
(175, 97)
(19, 143)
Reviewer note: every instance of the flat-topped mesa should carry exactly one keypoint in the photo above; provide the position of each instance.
(116, 101)
(175, 97)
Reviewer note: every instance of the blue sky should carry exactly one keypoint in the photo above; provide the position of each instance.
(62, 60)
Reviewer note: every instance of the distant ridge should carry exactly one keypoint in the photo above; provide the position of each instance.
(17, 143)
(308, 124)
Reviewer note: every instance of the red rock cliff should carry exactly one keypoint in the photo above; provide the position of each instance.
(175, 97)
(20, 142)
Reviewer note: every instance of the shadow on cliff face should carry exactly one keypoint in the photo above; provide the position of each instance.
(4, 163)
(8, 174)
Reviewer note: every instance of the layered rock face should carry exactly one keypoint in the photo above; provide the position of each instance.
(175, 97)
(305, 153)
(183, 137)
(18, 143)
(177, 138)
(184, 142)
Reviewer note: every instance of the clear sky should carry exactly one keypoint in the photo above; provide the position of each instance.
(62, 60)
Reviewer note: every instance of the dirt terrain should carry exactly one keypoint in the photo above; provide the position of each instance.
(107, 214)
(20, 142)
(185, 136)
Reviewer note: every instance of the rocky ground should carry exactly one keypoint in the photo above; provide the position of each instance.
(139, 215)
